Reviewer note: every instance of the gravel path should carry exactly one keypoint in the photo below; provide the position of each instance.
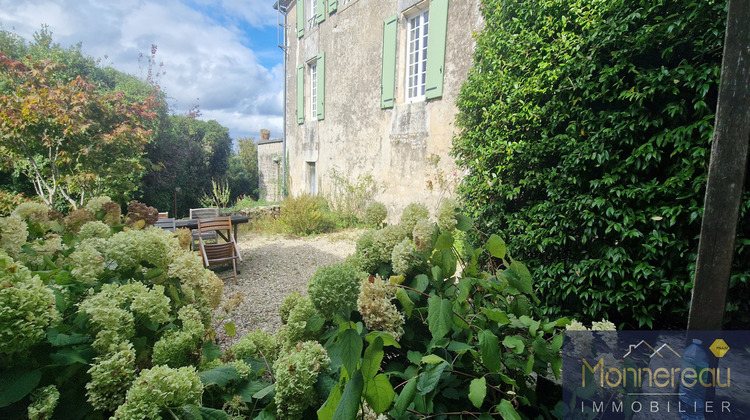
(274, 266)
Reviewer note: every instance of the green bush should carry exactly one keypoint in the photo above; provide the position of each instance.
(334, 289)
(585, 134)
(131, 341)
(375, 214)
(305, 215)
(92, 313)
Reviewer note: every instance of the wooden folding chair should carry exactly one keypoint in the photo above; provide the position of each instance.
(203, 213)
(220, 252)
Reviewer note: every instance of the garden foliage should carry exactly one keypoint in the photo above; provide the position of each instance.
(586, 129)
(99, 317)
(123, 329)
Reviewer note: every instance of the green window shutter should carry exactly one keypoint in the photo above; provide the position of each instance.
(300, 94)
(321, 71)
(332, 6)
(300, 18)
(321, 11)
(436, 48)
(388, 83)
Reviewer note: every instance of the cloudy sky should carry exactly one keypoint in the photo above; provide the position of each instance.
(219, 54)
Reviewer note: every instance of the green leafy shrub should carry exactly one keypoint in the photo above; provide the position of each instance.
(28, 309)
(375, 214)
(585, 136)
(305, 214)
(334, 289)
(89, 312)
(348, 198)
(256, 344)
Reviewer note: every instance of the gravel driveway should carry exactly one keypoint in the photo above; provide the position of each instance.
(274, 266)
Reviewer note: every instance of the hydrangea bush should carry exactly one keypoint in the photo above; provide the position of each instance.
(103, 311)
(118, 317)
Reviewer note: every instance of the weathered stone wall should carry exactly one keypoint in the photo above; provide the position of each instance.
(269, 167)
(358, 138)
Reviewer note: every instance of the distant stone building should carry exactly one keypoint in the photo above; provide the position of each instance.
(270, 157)
(371, 87)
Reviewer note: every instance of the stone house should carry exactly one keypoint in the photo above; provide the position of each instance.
(370, 90)
(270, 155)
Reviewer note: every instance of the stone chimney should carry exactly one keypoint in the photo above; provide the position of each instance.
(265, 134)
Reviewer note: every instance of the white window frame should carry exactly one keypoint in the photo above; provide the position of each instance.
(312, 71)
(417, 27)
(312, 13)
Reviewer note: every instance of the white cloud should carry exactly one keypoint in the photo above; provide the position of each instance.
(204, 45)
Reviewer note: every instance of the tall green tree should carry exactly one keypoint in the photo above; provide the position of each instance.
(186, 154)
(243, 169)
(585, 131)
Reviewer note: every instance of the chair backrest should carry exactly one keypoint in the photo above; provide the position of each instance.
(166, 224)
(204, 213)
(214, 224)
(163, 215)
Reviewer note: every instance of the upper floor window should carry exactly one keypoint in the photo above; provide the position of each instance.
(312, 13)
(416, 70)
(313, 71)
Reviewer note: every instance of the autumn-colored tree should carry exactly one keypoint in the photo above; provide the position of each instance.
(72, 140)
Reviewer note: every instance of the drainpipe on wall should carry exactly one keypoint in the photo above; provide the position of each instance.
(281, 43)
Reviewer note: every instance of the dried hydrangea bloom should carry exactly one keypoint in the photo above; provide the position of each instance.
(88, 264)
(256, 344)
(156, 389)
(111, 376)
(603, 325)
(43, 403)
(375, 214)
(177, 348)
(76, 219)
(113, 213)
(95, 204)
(413, 213)
(403, 258)
(94, 229)
(28, 308)
(377, 309)
(184, 237)
(212, 288)
(385, 239)
(334, 289)
(28, 210)
(138, 211)
(13, 234)
(446, 215)
(422, 235)
(296, 373)
(188, 268)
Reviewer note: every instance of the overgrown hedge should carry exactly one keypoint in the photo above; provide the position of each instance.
(586, 129)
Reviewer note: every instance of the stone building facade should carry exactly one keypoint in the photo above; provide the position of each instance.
(270, 156)
(371, 87)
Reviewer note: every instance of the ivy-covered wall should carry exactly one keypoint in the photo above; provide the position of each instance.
(586, 130)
